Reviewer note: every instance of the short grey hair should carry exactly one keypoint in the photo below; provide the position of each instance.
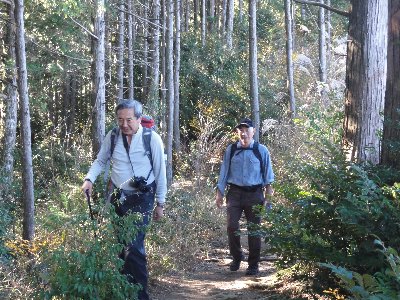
(130, 103)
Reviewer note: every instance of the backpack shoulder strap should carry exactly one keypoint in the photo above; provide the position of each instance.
(147, 132)
(114, 136)
(231, 154)
(257, 153)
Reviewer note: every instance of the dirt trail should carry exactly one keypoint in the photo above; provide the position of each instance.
(212, 279)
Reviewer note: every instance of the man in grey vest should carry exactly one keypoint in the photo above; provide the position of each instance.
(247, 171)
(139, 181)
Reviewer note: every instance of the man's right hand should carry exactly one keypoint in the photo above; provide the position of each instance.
(219, 199)
(87, 186)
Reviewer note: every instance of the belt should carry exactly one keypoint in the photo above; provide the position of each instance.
(251, 188)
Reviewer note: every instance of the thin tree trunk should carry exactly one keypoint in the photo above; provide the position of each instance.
(365, 80)
(170, 85)
(223, 20)
(154, 105)
(322, 54)
(196, 14)
(187, 15)
(328, 37)
(145, 67)
(121, 47)
(229, 30)
(240, 11)
(28, 232)
(212, 16)
(391, 126)
(177, 60)
(253, 74)
(99, 80)
(289, 58)
(163, 69)
(131, 42)
(203, 22)
(10, 131)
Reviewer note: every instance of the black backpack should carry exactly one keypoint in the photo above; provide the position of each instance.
(256, 152)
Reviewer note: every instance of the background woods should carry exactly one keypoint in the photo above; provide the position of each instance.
(319, 78)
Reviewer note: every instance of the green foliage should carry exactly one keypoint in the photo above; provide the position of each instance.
(332, 218)
(383, 285)
(86, 265)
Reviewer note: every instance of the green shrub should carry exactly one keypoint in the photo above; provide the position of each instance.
(334, 216)
(87, 264)
(384, 284)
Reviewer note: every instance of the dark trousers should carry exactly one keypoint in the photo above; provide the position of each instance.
(134, 254)
(239, 201)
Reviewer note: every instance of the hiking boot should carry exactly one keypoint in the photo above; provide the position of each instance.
(252, 270)
(235, 264)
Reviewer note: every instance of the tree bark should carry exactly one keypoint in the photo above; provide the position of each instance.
(391, 126)
(229, 25)
(131, 41)
(28, 232)
(99, 80)
(322, 54)
(203, 22)
(365, 80)
(121, 47)
(253, 74)
(177, 60)
(289, 57)
(10, 130)
(170, 85)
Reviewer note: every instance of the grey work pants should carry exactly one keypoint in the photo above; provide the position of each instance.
(239, 201)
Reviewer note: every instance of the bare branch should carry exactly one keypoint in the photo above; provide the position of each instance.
(139, 17)
(84, 28)
(30, 39)
(335, 10)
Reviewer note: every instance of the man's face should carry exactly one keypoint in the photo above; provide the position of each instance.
(127, 121)
(245, 135)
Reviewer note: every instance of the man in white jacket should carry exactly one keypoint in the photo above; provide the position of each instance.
(139, 181)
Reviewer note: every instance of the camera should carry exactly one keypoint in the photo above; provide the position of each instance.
(139, 183)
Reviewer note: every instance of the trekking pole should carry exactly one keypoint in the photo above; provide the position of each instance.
(90, 206)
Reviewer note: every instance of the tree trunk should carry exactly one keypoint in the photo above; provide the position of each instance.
(229, 27)
(177, 60)
(170, 85)
(145, 75)
(28, 232)
(163, 61)
(322, 54)
(391, 126)
(187, 15)
(240, 11)
(223, 19)
(365, 80)
(10, 131)
(153, 104)
(203, 22)
(328, 37)
(211, 22)
(99, 80)
(253, 74)
(289, 57)
(131, 41)
(121, 47)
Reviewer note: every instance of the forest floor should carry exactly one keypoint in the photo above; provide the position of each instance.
(211, 279)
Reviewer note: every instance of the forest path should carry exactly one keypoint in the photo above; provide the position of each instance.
(212, 279)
